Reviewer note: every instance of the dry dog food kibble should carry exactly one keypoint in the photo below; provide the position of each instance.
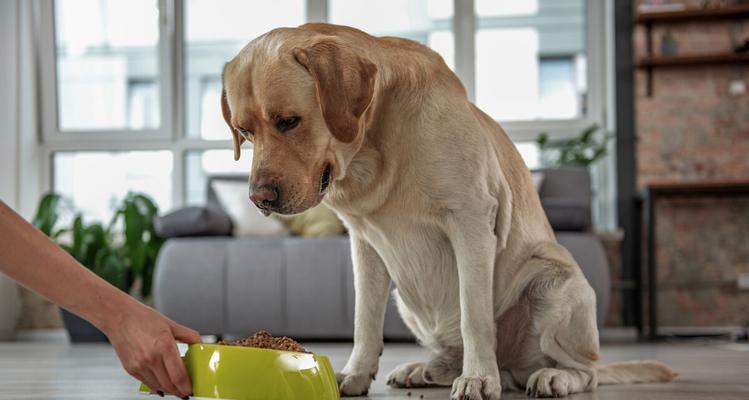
(264, 340)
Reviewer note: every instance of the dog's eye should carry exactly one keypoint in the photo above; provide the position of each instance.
(288, 123)
(244, 132)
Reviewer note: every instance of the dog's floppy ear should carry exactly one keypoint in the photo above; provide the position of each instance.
(236, 137)
(345, 84)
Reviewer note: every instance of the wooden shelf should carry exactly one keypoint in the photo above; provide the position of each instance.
(716, 185)
(697, 59)
(694, 14)
(652, 61)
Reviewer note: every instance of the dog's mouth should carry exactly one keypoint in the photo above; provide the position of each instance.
(325, 179)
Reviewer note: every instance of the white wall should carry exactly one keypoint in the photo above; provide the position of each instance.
(8, 106)
(20, 185)
(8, 147)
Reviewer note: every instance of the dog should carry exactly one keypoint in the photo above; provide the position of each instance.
(437, 201)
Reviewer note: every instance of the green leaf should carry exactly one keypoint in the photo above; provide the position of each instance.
(582, 150)
(588, 133)
(93, 245)
(47, 213)
(141, 244)
(77, 237)
(542, 139)
(110, 267)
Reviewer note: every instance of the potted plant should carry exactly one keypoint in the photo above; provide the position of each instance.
(668, 43)
(123, 252)
(582, 150)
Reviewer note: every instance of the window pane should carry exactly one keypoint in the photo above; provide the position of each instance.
(107, 64)
(201, 165)
(426, 21)
(494, 8)
(530, 59)
(96, 182)
(215, 30)
(529, 152)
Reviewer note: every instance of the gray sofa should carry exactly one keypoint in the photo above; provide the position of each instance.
(303, 287)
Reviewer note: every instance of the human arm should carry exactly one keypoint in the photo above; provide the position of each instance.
(143, 339)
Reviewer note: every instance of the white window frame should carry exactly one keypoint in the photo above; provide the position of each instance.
(171, 133)
(464, 27)
(51, 131)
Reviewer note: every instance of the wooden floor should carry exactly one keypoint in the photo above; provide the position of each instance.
(61, 371)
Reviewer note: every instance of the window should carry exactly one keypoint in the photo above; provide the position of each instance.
(530, 59)
(530, 154)
(96, 182)
(131, 89)
(201, 165)
(559, 87)
(426, 21)
(107, 64)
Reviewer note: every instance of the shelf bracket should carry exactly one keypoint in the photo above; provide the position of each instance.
(649, 70)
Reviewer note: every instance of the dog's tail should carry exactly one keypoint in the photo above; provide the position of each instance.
(645, 371)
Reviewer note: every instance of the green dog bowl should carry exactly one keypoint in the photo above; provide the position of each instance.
(249, 373)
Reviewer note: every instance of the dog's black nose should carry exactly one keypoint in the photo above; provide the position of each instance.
(264, 195)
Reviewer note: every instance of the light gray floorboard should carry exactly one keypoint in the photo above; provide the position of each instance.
(61, 371)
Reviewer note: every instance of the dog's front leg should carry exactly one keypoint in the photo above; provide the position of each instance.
(371, 285)
(474, 244)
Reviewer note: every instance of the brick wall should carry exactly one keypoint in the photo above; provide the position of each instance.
(692, 129)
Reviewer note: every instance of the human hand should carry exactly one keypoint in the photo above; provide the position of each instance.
(145, 343)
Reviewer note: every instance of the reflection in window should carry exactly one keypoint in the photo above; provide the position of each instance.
(102, 47)
(97, 182)
(557, 94)
(143, 104)
(530, 59)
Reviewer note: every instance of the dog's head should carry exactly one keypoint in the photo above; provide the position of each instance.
(301, 102)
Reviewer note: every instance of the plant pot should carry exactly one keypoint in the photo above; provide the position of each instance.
(8, 307)
(668, 48)
(80, 330)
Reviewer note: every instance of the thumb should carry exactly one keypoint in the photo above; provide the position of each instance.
(185, 334)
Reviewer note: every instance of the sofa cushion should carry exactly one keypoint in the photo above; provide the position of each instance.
(565, 194)
(194, 221)
(189, 283)
(566, 214)
(255, 286)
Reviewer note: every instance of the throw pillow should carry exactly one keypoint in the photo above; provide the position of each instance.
(246, 218)
(318, 221)
(193, 221)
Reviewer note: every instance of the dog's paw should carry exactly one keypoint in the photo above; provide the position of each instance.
(476, 388)
(354, 384)
(442, 370)
(409, 375)
(548, 382)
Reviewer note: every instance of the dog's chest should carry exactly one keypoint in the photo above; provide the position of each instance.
(419, 259)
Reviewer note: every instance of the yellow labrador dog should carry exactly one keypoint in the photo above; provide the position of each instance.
(437, 201)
